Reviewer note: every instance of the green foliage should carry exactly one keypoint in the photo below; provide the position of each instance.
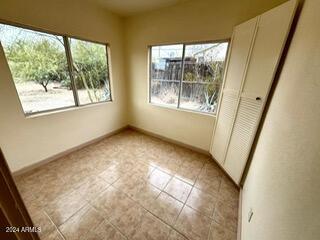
(203, 83)
(189, 76)
(90, 67)
(40, 61)
(44, 61)
(90, 63)
(217, 68)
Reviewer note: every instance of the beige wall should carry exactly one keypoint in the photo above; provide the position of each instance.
(283, 183)
(191, 21)
(29, 140)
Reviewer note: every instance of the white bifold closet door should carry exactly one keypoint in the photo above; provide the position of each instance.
(256, 47)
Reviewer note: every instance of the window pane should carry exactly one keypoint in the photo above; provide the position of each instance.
(90, 71)
(39, 68)
(203, 74)
(165, 74)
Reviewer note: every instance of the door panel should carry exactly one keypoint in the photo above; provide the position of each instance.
(242, 136)
(239, 53)
(256, 49)
(241, 43)
(272, 32)
(226, 116)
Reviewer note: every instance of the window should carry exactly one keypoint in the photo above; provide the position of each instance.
(90, 71)
(166, 74)
(187, 76)
(39, 68)
(48, 76)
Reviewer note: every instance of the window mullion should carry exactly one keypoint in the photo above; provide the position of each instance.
(108, 68)
(182, 72)
(150, 73)
(70, 68)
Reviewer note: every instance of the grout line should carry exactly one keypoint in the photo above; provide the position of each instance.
(209, 230)
(73, 214)
(68, 193)
(184, 203)
(61, 234)
(56, 228)
(172, 174)
(169, 225)
(162, 191)
(194, 187)
(98, 210)
(188, 196)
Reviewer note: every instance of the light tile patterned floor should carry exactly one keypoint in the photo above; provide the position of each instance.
(131, 186)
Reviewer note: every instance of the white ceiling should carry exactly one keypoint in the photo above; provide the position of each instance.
(132, 7)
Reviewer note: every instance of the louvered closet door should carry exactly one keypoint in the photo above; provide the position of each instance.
(267, 45)
(226, 115)
(244, 128)
(238, 56)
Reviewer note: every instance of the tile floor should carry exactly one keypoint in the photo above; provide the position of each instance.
(131, 186)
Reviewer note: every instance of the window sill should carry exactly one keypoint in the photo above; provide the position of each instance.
(182, 109)
(65, 109)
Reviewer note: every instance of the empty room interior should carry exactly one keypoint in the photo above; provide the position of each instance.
(160, 119)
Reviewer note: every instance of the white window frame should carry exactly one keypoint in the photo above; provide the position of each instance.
(178, 107)
(70, 68)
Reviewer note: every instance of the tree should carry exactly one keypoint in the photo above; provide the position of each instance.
(90, 66)
(41, 61)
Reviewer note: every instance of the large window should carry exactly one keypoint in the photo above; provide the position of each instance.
(52, 72)
(187, 76)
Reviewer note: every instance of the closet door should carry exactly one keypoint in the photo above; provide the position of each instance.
(267, 45)
(241, 43)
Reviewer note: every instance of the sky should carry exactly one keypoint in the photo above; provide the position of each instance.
(10, 34)
(218, 51)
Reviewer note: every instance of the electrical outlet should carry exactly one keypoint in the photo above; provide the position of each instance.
(250, 214)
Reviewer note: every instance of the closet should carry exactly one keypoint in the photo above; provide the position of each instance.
(255, 51)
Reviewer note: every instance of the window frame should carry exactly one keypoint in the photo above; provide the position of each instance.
(68, 54)
(178, 107)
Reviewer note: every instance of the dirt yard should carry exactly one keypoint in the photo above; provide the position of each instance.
(34, 99)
